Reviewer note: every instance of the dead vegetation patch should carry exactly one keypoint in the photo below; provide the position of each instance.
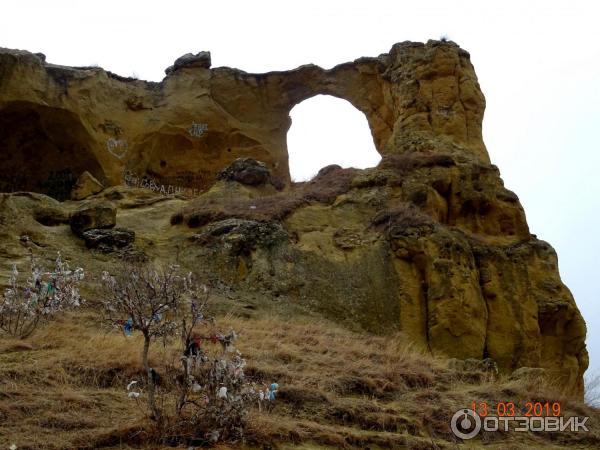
(398, 218)
(323, 188)
(407, 162)
(338, 389)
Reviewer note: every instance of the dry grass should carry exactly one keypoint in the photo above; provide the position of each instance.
(397, 218)
(411, 161)
(65, 388)
(324, 188)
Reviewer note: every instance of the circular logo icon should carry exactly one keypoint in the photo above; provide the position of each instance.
(465, 424)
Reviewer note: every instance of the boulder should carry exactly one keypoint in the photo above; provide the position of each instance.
(241, 237)
(328, 169)
(201, 59)
(94, 217)
(85, 186)
(50, 216)
(246, 171)
(108, 239)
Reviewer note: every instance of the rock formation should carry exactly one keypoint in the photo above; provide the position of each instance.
(85, 186)
(185, 129)
(429, 243)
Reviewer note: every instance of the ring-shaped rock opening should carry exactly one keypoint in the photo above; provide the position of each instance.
(328, 130)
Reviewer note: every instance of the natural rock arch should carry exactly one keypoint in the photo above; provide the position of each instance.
(482, 285)
(412, 96)
(328, 130)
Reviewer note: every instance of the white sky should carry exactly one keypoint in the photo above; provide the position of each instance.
(538, 63)
(328, 130)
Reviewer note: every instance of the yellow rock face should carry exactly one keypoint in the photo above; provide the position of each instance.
(86, 185)
(183, 130)
(429, 243)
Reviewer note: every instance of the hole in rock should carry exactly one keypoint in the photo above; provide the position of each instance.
(43, 150)
(328, 130)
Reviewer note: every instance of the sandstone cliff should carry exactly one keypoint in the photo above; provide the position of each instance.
(430, 242)
(185, 129)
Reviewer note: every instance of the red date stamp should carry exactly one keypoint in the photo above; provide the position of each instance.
(466, 423)
(511, 409)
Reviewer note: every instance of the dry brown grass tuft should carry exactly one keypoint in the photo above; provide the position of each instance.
(408, 162)
(399, 217)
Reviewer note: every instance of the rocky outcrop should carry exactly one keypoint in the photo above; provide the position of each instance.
(190, 60)
(90, 218)
(246, 171)
(185, 129)
(529, 373)
(431, 246)
(85, 186)
(429, 243)
(108, 239)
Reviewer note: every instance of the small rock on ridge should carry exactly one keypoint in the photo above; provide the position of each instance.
(201, 59)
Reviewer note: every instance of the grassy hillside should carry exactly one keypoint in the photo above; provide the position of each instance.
(65, 388)
(340, 385)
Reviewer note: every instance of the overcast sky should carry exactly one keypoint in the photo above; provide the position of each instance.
(538, 63)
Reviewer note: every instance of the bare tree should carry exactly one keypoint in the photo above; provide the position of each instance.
(592, 389)
(43, 295)
(191, 315)
(151, 300)
(208, 389)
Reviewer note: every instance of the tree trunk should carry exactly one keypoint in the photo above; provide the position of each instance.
(150, 379)
(184, 387)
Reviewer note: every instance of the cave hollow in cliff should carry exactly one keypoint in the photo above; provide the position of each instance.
(43, 150)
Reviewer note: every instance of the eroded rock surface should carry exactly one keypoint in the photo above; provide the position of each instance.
(246, 171)
(95, 217)
(85, 186)
(108, 239)
(185, 129)
(429, 243)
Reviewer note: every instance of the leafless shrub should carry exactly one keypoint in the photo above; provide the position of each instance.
(154, 302)
(592, 389)
(43, 295)
(207, 392)
(146, 300)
